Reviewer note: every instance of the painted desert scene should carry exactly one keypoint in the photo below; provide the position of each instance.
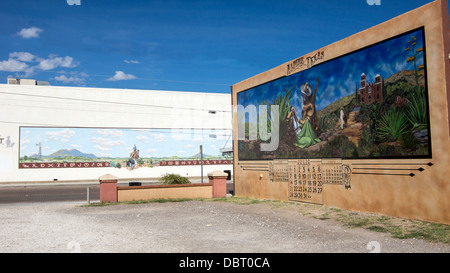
(372, 103)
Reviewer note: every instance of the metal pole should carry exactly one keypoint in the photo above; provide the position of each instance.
(88, 196)
(201, 162)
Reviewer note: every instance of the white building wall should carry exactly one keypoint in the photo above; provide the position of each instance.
(63, 107)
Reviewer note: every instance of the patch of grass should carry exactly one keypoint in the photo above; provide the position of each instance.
(245, 200)
(143, 202)
(431, 232)
(324, 216)
(397, 228)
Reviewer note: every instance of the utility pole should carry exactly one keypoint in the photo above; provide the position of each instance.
(201, 162)
(40, 150)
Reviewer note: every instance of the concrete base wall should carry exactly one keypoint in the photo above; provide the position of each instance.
(164, 192)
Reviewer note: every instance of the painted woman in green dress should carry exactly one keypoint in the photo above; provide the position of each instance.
(307, 137)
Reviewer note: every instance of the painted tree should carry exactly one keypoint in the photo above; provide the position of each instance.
(417, 108)
(418, 69)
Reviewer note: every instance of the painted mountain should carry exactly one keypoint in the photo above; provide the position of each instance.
(72, 152)
(66, 153)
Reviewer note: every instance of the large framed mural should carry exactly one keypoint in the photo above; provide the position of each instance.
(52, 148)
(371, 103)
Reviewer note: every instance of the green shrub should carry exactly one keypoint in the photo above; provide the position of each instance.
(393, 125)
(170, 179)
(417, 111)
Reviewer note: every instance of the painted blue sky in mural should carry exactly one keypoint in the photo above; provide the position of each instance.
(120, 142)
(341, 77)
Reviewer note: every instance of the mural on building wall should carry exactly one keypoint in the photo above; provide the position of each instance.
(372, 103)
(44, 147)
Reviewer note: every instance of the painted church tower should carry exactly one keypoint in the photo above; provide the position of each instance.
(371, 92)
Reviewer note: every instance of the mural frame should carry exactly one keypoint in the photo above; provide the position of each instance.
(310, 64)
(74, 158)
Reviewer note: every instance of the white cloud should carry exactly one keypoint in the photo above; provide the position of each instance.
(26, 62)
(106, 144)
(52, 62)
(24, 142)
(62, 136)
(32, 32)
(22, 56)
(65, 79)
(159, 137)
(103, 148)
(100, 154)
(120, 75)
(13, 65)
(109, 132)
(142, 138)
(74, 77)
(131, 61)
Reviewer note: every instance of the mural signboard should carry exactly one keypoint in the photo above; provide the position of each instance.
(359, 124)
(372, 103)
(51, 148)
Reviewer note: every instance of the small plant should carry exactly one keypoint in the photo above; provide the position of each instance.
(417, 111)
(171, 179)
(393, 125)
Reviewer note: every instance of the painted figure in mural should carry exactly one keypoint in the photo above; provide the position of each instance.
(341, 114)
(292, 126)
(308, 137)
(134, 156)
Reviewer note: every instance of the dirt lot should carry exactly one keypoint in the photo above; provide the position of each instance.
(189, 227)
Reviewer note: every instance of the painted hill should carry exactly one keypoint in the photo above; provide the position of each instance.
(336, 105)
(72, 152)
(403, 75)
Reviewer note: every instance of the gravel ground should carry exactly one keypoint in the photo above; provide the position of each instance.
(186, 227)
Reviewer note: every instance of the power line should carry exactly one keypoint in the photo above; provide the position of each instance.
(146, 130)
(115, 103)
(93, 110)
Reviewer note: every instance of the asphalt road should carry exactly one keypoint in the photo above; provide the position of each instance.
(55, 193)
(48, 193)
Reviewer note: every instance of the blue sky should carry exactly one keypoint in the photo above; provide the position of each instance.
(120, 142)
(203, 46)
